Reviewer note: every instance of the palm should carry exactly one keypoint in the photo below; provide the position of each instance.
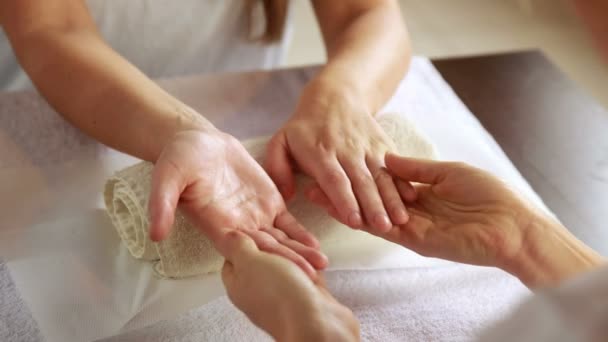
(223, 189)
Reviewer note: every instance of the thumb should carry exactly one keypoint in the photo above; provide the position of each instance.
(167, 186)
(416, 170)
(236, 247)
(278, 165)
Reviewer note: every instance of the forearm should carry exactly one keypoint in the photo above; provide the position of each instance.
(368, 54)
(550, 254)
(315, 318)
(101, 93)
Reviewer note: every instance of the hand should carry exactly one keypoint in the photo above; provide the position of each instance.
(460, 213)
(221, 188)
(279, 298)
(466, 215)
(342, 147)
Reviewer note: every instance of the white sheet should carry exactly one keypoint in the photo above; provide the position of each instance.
(80, 283)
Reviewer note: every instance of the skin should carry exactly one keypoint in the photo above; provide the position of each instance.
(59, 46)
(461, 214)
(332, 135)
(308, 313)
(465, 214)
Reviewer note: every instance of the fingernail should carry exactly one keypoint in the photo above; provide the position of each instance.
(354, 219)
(382, 221)
(323, 261)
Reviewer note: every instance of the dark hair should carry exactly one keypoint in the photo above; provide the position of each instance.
(275, 13)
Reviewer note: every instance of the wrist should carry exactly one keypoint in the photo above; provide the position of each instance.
(330, 322)
(549, 254)
(181, 119)
(330, 90)
(348, 79)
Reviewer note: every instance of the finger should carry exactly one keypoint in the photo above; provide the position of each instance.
(336, 185)
(415, 170)
(406, 190)
(267, 243)
(321, 283)
(236, 246)
(389, 193)
(288, 224)
(318, 197)
(278, 166)
(317, 259)
(367, 194)
(411, 235)
(167, 186)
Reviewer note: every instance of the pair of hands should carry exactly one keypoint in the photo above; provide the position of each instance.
(460, 213)
(220, 187)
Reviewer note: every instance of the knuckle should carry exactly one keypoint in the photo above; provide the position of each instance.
(383, 177)
(333, 176)
(361, 176)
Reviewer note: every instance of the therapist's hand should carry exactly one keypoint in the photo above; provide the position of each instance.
(466, 215)
(335, 140)
(279, 298)
(220, 187)
(460, 213)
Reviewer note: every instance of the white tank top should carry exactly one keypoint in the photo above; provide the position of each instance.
(171, 38)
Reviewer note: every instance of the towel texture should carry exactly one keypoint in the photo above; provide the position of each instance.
(454, 302)
(186, 252)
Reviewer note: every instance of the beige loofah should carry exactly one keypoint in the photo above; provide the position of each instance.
(186, 252)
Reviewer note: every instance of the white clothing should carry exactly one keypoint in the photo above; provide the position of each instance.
(171, 38)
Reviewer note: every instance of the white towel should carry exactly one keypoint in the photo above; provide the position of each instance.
(450, 303)
(186, 252)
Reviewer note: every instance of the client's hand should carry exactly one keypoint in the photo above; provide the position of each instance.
(465, 214)
(218, 185)
(332, 138)
(279, 298)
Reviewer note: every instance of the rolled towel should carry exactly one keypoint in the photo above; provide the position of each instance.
(187, 252)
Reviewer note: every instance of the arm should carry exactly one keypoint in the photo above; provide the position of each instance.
(550, 254)
(101, 93)
(93, 87)
(464, 214)
(280, 299)
(332, 135)
(367, 48)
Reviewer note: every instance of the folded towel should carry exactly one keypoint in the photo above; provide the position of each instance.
(187, 252)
